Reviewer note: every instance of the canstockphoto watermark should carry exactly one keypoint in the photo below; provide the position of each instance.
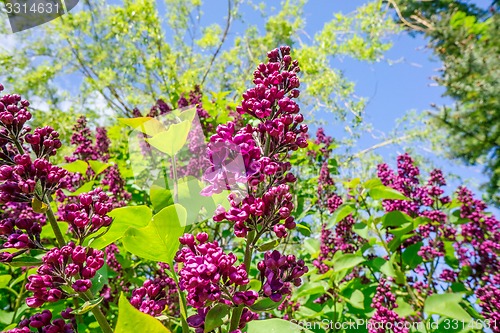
(26, 14)
(357, 324)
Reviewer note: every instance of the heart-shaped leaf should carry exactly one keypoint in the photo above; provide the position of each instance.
(159, 240)
(132, 320)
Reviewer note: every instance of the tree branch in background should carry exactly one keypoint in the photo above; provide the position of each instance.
(224, 36)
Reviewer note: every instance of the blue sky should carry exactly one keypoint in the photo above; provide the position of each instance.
(399, 83)
(395, 85)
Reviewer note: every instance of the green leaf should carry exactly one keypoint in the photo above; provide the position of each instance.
(357, 299)
(48, 232)
(4, 280)
(171, 140)
(385, 192)
(87, 306)
(304, 229)
(375, 182)
(99, 280)
(395, 219)
(388, 269)
(449, 255)
(341, 213)
(87, 187)
(312, 245)
(352, 183)
(215, 317)
(404, 309)
(275, 326)
(403, 230)
(447, 305)
(123, 218)
(189, 189)
(159, 240)
(265, 304)
(161, 197)
(76, 166)
(347, 261)
(268, 246)
(132, 320)
(25, 261)
(146, 125)
(6, 318)
(38, 206)
(255, 285)
(410, 255)
(361, 229)
(311, 288)
(98, 166)
(455, 218)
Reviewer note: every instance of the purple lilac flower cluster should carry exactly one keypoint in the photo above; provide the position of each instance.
(480, 250)
(279, 273)
(425, 201)
(384, 302)
(89, 214)
(157, 295)
(252, 159)
(20, 228)
(263, 149)
(111, 251)
(210, 276)
(252, 210)
(326, 185)
(478, 245)
(71, 266)
(197, 143)
(43, 322)
(342, 237)
(87, 150)
(489, 298)
(288, 307)
(24, 181)
(115, 185)
(19, 180)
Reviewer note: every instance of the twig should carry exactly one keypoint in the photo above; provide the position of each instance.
(406, 22)
(224, 36)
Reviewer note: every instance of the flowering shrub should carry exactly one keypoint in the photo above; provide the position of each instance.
(81, 239)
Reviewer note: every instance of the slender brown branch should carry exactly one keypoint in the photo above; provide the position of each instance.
(224, 36)
(380, 145)
(401, 17)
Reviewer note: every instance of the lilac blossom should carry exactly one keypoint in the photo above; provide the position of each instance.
(72, 266)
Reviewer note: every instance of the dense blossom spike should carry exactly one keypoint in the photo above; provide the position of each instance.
(86, 150)
(384, 303)
(425, 201)
(208, 274)
(20, 227)
(254, 155)
(44, 322)
(27, 178)
(89, 214)
(279, 273)
(157, 295)
(71, 266)
(342, 237)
